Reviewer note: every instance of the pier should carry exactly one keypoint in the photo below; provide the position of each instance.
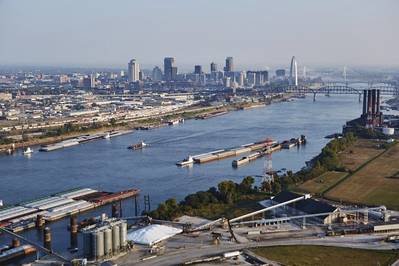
(35, 213)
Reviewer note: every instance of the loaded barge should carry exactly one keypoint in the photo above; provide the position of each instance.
(210, 115)
(226, 153)
(82, 139)
(287, 144)
(33, 213)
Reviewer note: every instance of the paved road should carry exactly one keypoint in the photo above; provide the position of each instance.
(187, 254)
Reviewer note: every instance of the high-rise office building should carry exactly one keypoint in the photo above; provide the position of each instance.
(156, 74)
(241, 79)
(170, 70)
(229, 64)
(214, 67)
(280, 72)
(133, 71)
(198, 69)
(89, 82)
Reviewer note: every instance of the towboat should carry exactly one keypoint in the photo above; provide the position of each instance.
(189, 160)
(138, 146)
(28, 151)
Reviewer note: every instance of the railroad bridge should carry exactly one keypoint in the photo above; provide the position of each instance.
(327, 88)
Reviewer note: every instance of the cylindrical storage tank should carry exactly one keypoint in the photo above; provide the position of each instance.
(388, 131)
(108, 242)
(123, 235)
(87, 245)
(98, 244)
(115, 239)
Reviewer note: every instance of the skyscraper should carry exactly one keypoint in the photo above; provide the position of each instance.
(133, 71)
(229, 64)
(198, 69)
(170, 70)
(214, 67)
(157, 74)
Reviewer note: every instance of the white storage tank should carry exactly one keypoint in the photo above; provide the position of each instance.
(98, 244)
(388, 131)
(115, 239)
(108, 242)
(123, 235)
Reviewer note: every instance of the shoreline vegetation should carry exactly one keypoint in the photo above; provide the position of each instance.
(68, 131)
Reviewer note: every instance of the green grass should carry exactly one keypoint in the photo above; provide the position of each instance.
(320, 184)
(327, 256)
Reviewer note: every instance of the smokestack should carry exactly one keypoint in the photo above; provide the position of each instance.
(364, 102)
(369, 102)
(373, 104)
(378, 101)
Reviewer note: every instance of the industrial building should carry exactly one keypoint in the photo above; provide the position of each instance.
(303, 207)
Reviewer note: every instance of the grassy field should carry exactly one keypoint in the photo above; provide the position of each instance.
(370, 184)
(326, 256)
(362, 151)
(320, 184)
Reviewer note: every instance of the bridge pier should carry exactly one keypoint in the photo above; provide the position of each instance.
(314, 96)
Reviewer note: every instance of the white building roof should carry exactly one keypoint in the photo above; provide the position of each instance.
(152, 234)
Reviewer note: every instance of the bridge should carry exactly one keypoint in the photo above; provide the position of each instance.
(327, 88)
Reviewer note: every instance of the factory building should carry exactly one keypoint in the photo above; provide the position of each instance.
(303, 207)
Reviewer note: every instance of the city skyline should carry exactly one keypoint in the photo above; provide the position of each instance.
(182, 28)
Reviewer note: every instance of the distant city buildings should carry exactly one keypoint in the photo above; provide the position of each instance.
(170, 70)
(214, 67)
(280, 73)
(198, 69)
(157, 74)
(89, 82)
(229, 64)
(133, 71)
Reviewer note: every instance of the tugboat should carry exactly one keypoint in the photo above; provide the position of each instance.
(138, 146)
(188, 161)
(28, 151)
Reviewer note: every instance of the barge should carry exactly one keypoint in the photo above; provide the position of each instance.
(226, 153)
(210, 115)
(82, 139)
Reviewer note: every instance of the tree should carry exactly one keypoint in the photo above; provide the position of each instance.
(227, 191)
(246, 184)
(266, 186)
(276, 187)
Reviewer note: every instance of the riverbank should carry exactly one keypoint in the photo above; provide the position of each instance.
(142, 122)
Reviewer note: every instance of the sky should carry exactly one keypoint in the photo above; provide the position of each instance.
(257, 33)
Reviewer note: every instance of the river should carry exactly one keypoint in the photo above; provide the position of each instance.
(108, 164)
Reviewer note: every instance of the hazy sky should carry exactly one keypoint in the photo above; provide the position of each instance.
(256, 33)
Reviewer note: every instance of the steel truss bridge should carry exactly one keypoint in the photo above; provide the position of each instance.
(328, 88)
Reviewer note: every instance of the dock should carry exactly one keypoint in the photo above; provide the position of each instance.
(25, 215)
